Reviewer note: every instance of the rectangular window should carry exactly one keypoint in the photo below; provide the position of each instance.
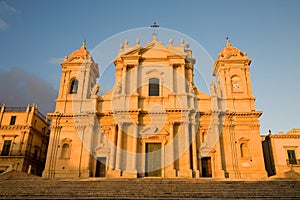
(6, 148)
(12, 120)
(292, 156)
(153, 87)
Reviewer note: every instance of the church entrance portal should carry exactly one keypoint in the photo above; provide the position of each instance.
(100, 167)
(206, 167)
(153, 160)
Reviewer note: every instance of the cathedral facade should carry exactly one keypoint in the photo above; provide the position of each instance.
(155, 122)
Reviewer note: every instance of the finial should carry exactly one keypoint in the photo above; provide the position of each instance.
(227, 42)
(187, 46)
(84, 43)
(121, 46)
(270, 131)
(171, 42)
(182, 42)
(154, 26)
(154, 37)
(126, 42)
(137, 42)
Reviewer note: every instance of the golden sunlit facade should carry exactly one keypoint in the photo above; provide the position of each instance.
(155, 122)
(24, 137)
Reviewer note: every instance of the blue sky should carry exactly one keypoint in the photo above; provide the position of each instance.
(35, 35)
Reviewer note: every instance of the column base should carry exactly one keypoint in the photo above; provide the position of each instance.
(185, 173)
(196, 173)
(170, 173)
(113, 173)
(131, 174)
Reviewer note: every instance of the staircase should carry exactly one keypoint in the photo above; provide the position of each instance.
(147, 189)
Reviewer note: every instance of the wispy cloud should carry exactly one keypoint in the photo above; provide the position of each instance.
(3, 25)
(18, 88)
(55, 60)
(5, 11)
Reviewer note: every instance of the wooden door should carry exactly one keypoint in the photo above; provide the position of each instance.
(101, 167)
(153, 160)
(206, 167)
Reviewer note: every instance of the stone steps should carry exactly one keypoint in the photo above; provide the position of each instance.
(147, 189)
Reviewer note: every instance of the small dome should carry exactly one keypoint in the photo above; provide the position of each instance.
(230, 51)
(79, 55)
(82, 52)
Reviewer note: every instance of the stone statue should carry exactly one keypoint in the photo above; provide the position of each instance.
(212, 88)
(119, 88)
(95, 90)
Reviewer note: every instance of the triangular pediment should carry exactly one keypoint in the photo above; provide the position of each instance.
(152, 50)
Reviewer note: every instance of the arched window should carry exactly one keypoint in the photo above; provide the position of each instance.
(74, 86)
(203, 137)
(153, 87)
(65, 151)
(244, 150)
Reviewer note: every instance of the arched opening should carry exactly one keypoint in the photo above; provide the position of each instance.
(65, 151)
(73, 86)
(244, 150)
(203, 137)
(153, 87)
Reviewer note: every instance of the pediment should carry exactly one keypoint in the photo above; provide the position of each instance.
(152, 50)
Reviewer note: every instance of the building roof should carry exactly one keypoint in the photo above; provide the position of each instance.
(231, 52)
(79, 55)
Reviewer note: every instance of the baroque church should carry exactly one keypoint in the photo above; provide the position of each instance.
(155, 122)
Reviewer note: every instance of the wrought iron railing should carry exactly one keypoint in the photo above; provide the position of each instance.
(15, 109)
(34, 156)
(23, 109)
(293, 161)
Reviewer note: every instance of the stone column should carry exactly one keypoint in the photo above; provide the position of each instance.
(184, 151)
(183, 86)
(131, 148)
(113, 144)
(194, 151)
(119, 148)
(136, 78)
(170, 154)
(134, 147)
(49, 171)
(124, 80)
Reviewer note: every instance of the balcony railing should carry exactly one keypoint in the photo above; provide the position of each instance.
(293, 161)
(15, 109)
(28, 154)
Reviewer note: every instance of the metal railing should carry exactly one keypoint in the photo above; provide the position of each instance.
(33, 156)
(15, 109)
(23, 109)
(293, 161)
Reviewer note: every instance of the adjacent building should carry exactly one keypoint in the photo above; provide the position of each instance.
(155, 122)
(24, 136)
(282, 152)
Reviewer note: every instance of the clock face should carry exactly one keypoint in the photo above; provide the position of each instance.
(236, 86)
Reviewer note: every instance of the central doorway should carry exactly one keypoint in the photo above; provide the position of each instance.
(153, 160)
(101, 167)
(206, 167)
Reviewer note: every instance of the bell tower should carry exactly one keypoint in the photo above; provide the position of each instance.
(239, 123)
(232, 72)
(79, 74)
(74, 122)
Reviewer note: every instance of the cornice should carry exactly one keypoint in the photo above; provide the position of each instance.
(14, 127)
(284, 136)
